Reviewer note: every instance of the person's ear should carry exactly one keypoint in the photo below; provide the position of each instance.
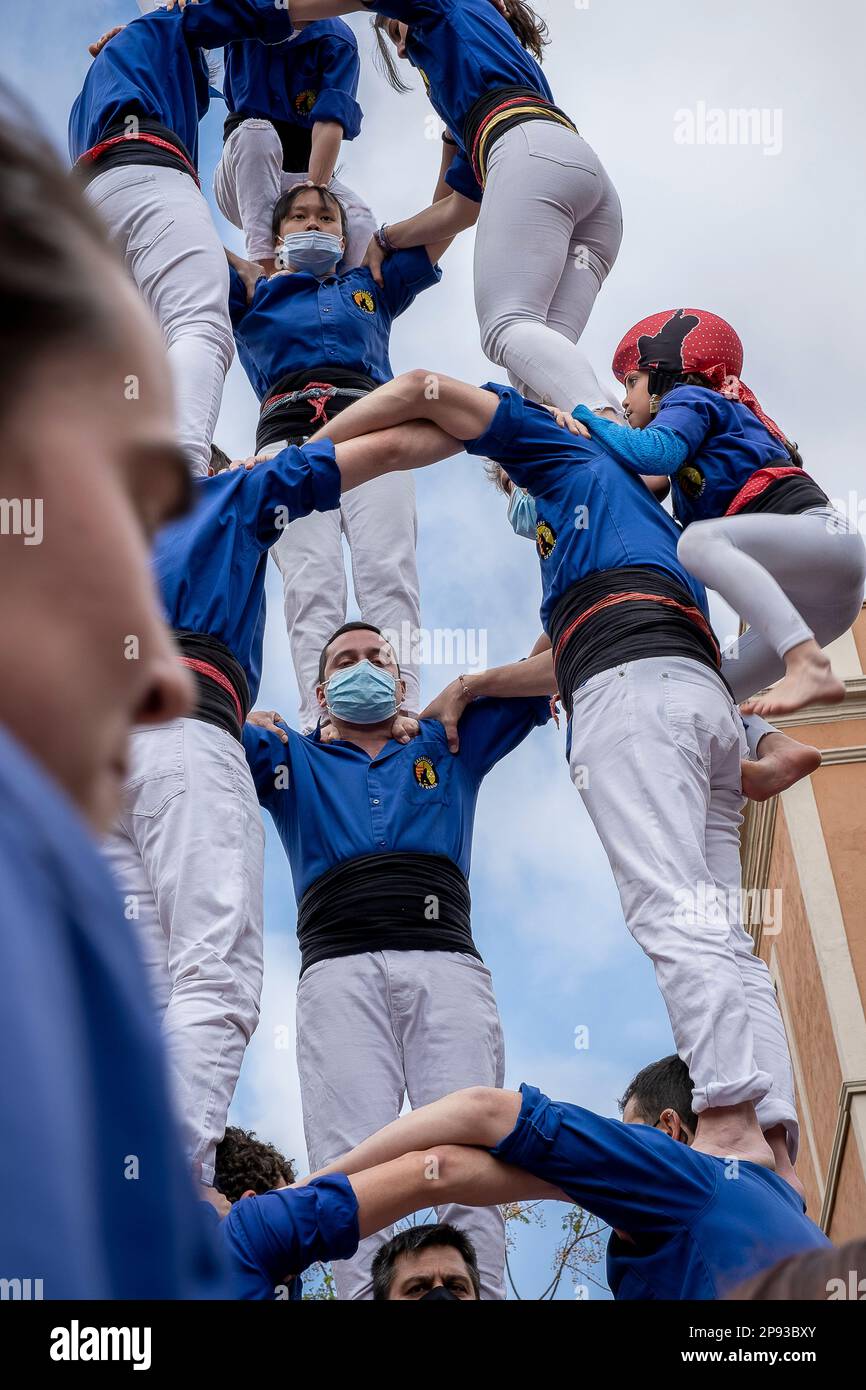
(250, 1192)
(211, 472)
(670, 1123)
(401, 692)
(320, 696)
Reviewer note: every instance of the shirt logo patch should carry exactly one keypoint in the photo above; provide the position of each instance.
(691, 480)
(545, 540)
(426, 80)
(305, 101)
(425, 774)
(365, 301)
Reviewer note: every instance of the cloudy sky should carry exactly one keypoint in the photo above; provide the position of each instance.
(739, 228)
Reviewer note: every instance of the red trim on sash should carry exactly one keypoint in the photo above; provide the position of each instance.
(758, 483)
(94, 153)
(694, 614)
(204, 668)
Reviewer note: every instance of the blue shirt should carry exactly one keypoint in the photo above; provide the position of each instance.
(297, 321)
(311, 77)
(696, 1229)
(273, 1238)
(97, 1199)
(155, 68)
(210, 565)
(332, 803)
(464, 49)
(594, 513)
(726, 444)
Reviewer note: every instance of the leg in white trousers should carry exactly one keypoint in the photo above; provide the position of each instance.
(165, 233)
(188, 855)
(250, 178)
(789, 577)
(548, 235)
(656, 750)
(376, 1027)
(380, 525)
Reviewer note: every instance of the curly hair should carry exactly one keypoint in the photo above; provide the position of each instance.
(244, 1162)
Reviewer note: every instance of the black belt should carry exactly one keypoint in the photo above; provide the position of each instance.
(499, 111)
(302, 401)
(154, 144)
(222, 688)
(296, 140)
(625, 614)
(386, 902)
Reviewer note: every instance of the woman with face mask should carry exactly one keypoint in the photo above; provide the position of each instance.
(312, 341)
(291, 105)
(536, 189)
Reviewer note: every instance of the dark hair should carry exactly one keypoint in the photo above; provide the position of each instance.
(698, 379)
(347, 627)
(528, 27)
(286, 201)
(219, 459)
(417, 1238)
(808, 1277)
(664, 1085)
(244, 1162)
(52, 269)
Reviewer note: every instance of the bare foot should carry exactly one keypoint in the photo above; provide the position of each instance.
(808, 680)
(781, 762)
(732, 1131)
(777, 1141)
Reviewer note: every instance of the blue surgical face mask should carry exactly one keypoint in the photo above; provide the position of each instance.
(522, 513)
(316, 252)
(362, 694)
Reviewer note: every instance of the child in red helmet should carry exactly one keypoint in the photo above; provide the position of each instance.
(757, 529)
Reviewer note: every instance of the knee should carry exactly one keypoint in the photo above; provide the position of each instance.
(697, 537)
(257, 138)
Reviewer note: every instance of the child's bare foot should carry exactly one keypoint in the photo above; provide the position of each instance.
(778, 1142)
(781, 762)
(732, 1131)
(808, 680)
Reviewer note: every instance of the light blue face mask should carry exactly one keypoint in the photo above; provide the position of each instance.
(522, 513)
(316, 252)
(362, 694)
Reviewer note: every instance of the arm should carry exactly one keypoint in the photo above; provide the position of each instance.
(533, 677)
(460, 410)
(654, 450)
(218, 22)
(325, 151)
(249, 273)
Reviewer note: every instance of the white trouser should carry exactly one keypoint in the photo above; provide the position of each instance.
(789, 577)
(188, 854)
(377, 1027)
(548, 235)
(656, 750)
(250, 178)
(165, 233)
(380, 524)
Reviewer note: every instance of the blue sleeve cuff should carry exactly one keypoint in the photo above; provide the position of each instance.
(340, 107)
(407, 274)
(652, 450)
(504, 425)
(325, 476)
(461, 178)
(534, 1132)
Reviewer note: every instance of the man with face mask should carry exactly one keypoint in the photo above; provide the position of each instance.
(311, 341)
(394, 999)
(133, 136)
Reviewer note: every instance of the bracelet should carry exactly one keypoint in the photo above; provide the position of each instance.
(467, 693)
(384, 241)
(448, 140)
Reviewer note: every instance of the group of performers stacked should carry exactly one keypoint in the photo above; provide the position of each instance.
(374, 799)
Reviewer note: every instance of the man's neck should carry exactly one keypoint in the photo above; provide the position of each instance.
(371, 737)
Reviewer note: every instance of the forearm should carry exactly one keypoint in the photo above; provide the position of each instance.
(445, 1175)
(414, 445)
(436, 250)
(442, 221)
(651, 451)
(534, 676)
(325, 151)
(462, 411)
(324, 9)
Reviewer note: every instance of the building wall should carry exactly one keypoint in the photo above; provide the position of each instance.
(807, 849)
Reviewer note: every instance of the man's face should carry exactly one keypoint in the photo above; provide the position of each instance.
(84, 652)
(352, 647)
(439, 1266)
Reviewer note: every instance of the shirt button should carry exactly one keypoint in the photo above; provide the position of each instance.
(375, 801)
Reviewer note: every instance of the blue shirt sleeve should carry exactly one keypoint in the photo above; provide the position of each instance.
(340, 70)
(238, 304)
(217, 22)
(632, 1176)
(294, 483)
(490, 728)
(461, 177)
(412, 11)
(526, 440)
(652, 450)
(271, 1238)
(266, 755)
(693, 412)
(406, 274)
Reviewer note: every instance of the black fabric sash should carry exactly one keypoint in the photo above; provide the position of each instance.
(214, 703)
(296, 140)
(788, 497)
(280, 420)
(131, 151)
(386, 902)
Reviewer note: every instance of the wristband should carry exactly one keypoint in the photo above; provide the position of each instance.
(384, 241)
(449, 140)
(467, 693)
